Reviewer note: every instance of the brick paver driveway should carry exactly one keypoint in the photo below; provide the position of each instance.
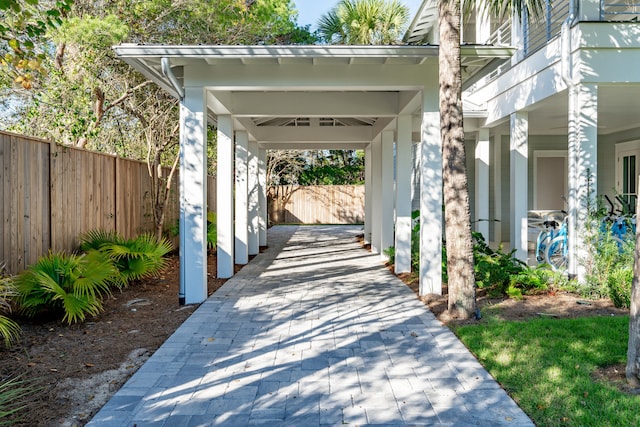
(315, 331)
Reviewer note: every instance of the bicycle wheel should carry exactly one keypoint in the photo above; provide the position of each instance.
(544, 237)
(556, 253)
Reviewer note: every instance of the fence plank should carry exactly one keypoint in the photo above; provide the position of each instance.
(52, 193)
(321, 204)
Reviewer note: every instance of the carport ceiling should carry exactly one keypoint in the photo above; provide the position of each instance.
(305, 96)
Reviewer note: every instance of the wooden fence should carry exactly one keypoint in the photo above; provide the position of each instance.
(51, 194)
(320, 204)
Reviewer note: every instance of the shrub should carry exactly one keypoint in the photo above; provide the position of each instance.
(133, 258)
(12, 394)
(391, 253)
(502, 273)
(212, 230)
(619, 284)
(71, 285)
(9, 330)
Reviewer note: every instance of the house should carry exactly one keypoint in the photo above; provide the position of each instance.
(558, 123)
(528, 111)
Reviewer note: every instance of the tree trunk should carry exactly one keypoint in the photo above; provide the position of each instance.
(633, 349)
(461, 284)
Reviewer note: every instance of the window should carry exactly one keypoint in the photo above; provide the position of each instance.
(627, 155)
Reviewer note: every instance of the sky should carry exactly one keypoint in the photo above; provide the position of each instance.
(309, 11)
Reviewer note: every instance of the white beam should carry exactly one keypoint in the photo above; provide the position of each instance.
(193, 197)
(254, 225)
(376, 195)
(321, 104)
(224, 202)
(431, 199)
(519, 167)
(482, 155)
(242, 208)
(403, 195)
(388, 197)
(262, 196)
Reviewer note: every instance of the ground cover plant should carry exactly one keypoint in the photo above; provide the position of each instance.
(549, 367)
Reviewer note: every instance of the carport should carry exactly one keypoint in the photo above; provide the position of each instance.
(381, 99)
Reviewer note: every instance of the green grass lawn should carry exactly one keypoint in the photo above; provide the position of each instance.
(546, 365)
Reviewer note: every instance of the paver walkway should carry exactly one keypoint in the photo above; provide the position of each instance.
(313, 332)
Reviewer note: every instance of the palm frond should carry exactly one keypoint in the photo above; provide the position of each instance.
(96, 239)
(12, 394)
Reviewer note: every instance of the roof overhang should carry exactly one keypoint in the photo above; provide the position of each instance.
(302, 96)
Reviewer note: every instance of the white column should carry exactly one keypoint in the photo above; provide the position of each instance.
(403, 195)
(193, 197)
(519, 190)
(431, 198)
(253, 189)
(262, 196)
(497, 188)
(482, 183)
(367, 194)
(376, 195)
(242, 198)
(386, 235)
(589, 9)
(583, 146)
(224, 197)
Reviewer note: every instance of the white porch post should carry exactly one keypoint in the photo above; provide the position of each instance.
(386, 237)
(367, 194)
(497, 187)
(252, 181)
(403, 195)
(517, 38)
(262, 196)
(193, 196)
(224, 197)
(519, 190)
(483, 24)
(431, 198)
(376, 195)
(482, 183)
(583, 146)
(242, 209)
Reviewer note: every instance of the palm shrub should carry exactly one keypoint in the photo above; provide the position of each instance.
(133, 259)
(212, 230)
(13, 392)
(9, 330)
(59, 283)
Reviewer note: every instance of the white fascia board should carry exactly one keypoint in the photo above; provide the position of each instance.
(253, 52)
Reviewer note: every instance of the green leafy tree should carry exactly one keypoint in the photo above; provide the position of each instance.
(89, 98)
(22, 24)
(364, 22)
(333, 167)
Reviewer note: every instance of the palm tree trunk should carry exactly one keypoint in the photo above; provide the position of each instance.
(461, 284)
(633, 349)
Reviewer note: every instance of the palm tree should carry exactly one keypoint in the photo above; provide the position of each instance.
(364, 22)
(459, 244)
